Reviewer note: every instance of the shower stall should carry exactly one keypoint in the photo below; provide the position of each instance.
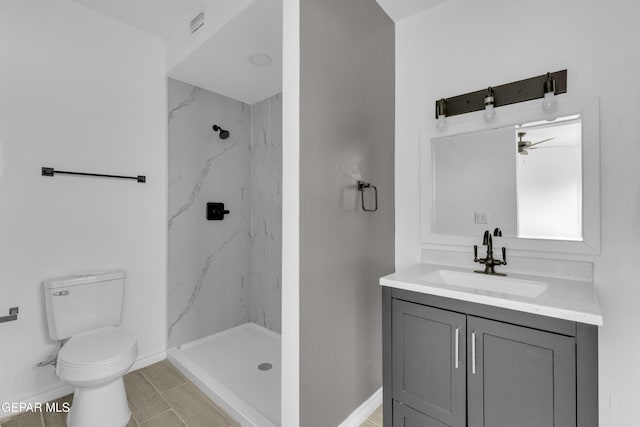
(225, 223)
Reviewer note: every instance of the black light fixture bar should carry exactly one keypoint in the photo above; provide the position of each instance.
(51, 172)
(510, 93)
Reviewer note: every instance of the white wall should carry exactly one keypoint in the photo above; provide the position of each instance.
(290, 380)
(499, 41)
(78, 91)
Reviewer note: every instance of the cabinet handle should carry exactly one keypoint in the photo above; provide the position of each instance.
(473, 353)
(457, 345)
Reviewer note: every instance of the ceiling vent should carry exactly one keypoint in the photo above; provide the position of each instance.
(197, 23)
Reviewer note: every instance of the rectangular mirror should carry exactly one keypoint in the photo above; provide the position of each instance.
(538, 180)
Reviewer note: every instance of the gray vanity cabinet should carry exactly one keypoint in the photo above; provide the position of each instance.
(519, 376)
(429, 350)
(451, 363)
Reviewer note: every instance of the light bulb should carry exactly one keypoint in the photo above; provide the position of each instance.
(489, 110)
(549, 102)
(489, 113)
(441, 114)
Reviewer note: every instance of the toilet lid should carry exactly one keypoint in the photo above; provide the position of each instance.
(98, 347)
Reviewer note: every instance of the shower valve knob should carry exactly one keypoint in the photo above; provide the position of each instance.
(216, 211)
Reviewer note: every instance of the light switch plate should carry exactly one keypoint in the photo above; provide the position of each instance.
(481, 218)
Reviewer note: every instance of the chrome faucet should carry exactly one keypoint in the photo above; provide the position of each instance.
(489, 261)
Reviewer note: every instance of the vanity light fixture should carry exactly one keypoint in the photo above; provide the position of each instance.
(441, 114)
(489, 111)
(545, 86)
(549, 102)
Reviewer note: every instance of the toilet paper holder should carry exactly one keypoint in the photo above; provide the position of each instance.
(13, 315)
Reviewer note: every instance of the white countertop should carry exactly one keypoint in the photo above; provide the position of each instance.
(563, 299)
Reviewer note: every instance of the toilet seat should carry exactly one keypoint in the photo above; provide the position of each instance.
(96, 356)
(98, 347)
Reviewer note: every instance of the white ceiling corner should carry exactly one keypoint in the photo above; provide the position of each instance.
(157, 17)
(401, 9)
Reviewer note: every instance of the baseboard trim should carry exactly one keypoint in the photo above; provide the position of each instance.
(147, 360)
(63, 389)
(364, 411)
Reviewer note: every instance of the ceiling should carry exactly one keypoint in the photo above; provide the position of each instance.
(217, 57)
(221, 64)
(157, 17)
(400, 9)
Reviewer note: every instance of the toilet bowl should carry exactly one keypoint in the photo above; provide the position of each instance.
(93, 363)
(86, 309)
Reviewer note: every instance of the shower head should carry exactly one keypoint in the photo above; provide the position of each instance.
(224, 134)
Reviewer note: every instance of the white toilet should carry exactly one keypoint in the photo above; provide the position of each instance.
(86, 309)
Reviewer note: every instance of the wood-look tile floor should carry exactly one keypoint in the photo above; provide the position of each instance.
(375, 420)
(159, 396)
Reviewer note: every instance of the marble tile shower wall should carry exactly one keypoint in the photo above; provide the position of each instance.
(266, 208)
(210, 262)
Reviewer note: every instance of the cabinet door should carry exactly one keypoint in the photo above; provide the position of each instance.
(403, 416)
(519, 376)
(429, 361)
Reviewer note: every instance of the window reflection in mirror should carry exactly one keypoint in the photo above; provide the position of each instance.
(549, 179)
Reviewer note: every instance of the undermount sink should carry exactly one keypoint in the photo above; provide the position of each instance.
(499, 284)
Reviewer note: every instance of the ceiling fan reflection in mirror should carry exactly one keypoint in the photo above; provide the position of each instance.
(525, 146)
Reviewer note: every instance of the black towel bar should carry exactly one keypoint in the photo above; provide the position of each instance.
(51, 172)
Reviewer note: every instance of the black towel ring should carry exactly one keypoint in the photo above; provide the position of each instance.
(362, 186)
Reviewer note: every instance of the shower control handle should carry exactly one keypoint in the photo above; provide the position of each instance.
(216, 211)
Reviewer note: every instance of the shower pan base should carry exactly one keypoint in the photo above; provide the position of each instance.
(239, 369)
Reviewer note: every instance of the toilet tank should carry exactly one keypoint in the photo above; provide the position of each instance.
(83, 302)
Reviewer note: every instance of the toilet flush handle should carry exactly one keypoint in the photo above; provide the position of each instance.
(61, 294)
